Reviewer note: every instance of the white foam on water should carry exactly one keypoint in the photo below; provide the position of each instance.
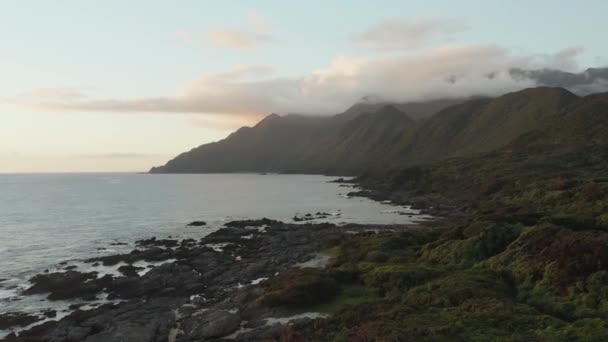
(261, 229)
(5, 294)
(286, 320)
(197, 297)
(61, 307)
(218, 247)
(257, 281)
(145, 265)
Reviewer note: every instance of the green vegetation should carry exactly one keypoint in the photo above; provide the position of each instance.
(529, 262)
(300, 287)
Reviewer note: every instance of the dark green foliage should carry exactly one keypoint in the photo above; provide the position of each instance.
(479, 244)
(529, 263)
(300, 287)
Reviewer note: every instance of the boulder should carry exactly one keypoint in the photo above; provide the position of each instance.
(17, 319)
(197, 223)
(211, 324)
(64, 285)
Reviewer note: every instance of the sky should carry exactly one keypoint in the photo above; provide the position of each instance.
(126, 85)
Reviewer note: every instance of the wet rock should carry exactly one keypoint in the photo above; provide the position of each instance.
(50, 313)
(263, 333)
(64, 285)
(226, 235)
(159, 243)
(76, 306)
(211, 324)
(130, 270)
(150, 254)
(166, 279)
(342, 180)
(197, 223)
(17, 319)
(78, 333)
(251, 223)
(301, 219)
(135, 321)
(187, 243)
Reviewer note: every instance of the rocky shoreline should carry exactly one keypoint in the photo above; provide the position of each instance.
(435, 205)
(198, 290)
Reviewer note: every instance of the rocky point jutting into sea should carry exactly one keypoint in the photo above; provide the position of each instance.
(198, 290)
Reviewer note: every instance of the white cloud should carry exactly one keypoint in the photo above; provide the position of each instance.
(400, 34)
(446, 72)
(564, 59)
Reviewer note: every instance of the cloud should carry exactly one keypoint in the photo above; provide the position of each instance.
(449, 72)
(237, 39)
(400, 34)
(256, 32)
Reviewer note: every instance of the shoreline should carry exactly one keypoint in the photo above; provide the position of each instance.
(191, 277)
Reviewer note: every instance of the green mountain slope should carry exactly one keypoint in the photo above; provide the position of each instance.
(482, 125)
(359, 143)
(268, 146)
(293, 143)
(353, 141)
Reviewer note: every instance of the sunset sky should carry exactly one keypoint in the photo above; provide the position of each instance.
(126, 85)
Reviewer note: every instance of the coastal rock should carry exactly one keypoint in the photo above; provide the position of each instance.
(263, 333)
(130, 270)
(134, 321)
(64, 285)
(17, 319)
(226, 235)
(166, 279)
(76, 306)
(150, 254)
(251, 223)
(167, 243)
(211, 324)
(50, 313)
(197, 224)
(199, 279)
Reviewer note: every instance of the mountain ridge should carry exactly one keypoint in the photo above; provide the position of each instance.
(351, 142)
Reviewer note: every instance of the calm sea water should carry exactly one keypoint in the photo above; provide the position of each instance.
(49, 218)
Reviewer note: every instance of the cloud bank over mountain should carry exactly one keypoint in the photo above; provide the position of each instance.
(398, 72)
